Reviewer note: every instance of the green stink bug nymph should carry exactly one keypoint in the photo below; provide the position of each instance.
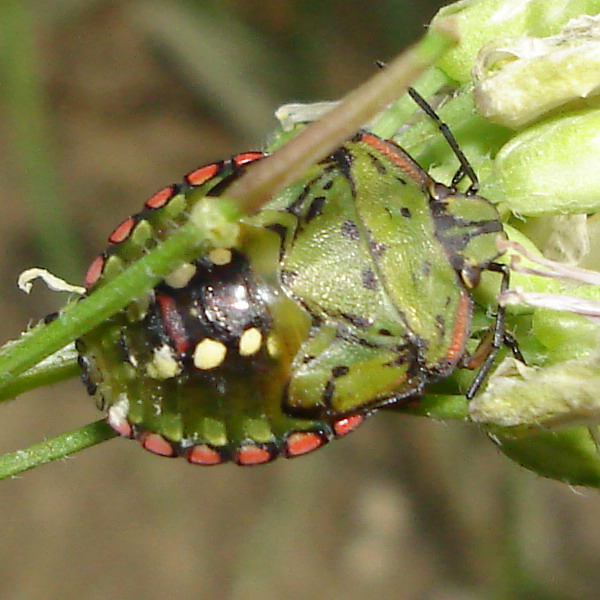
(348, 291)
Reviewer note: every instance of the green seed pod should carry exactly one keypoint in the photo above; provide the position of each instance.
(533, 416)
(560, 395)
(519, 80)
(552, 167)
(535, 413)
(481, 21)
(569, 455)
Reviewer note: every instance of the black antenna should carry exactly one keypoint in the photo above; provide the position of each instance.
(465, 167)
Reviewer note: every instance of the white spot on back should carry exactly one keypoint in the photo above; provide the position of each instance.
(117, 413)
(250, 342)
(209, 354)
(181, 276)
(220, 256)
(163, 365)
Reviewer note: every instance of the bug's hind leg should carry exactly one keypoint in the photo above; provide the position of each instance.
(485, 354)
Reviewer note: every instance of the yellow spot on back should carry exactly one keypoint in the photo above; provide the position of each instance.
(209, 354)
(181, 276)
(220, 256)
(250, 342)
(163, 364)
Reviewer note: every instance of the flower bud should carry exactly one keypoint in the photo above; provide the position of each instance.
(481, 21)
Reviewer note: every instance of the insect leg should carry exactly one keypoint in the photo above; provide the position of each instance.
(499, 337)
(465, 168)
(511, 343)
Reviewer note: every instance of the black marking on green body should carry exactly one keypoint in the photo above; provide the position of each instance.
(379, 166)
(297, 205)
(343, 159)
(356, 320)
(287, 276)
(339, 371)
(280, 230)
(85, 365)
(350, 230)
(327, 396)
(377, 248)
(315, 208)
(369, 279)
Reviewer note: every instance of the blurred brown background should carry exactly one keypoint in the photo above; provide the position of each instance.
(132, 95)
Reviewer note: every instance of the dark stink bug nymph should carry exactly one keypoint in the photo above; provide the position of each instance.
(349, 291)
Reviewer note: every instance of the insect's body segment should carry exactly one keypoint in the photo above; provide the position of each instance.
(349, 291)
(380, 266)
(199, 366)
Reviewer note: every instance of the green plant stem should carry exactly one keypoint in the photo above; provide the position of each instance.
(58, 447)
(437, 406)
(59, 366)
